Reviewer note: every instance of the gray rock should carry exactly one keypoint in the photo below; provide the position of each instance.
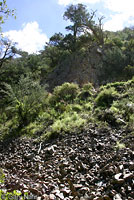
(29, 156)
(117, 197)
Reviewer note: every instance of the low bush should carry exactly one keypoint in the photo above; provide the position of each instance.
(107, 116)
(66, 92)
(88, 106)
(86, 92)
(69, 122)
(106, 97)
(117, 85)
(76, 108)
(24, 100)
(2, 176)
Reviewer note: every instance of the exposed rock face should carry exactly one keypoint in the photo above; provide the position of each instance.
(79, 68)
(77, 166)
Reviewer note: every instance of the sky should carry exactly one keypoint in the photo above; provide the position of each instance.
(37, 20)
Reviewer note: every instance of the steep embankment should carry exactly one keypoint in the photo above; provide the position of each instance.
(91, 165)
(80, 67)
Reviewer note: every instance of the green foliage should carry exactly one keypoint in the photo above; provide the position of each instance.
(25, 100)
(77, 108)
(88, 106)
(124, 109)
(6, 129)
(129, 71)
(82, 22)
(119, 112)
(113, 41)
(113, 63)
(86, 93)
(120, 87)
(106, 115)
(56, 39)
(2, 176)
(119, 145)
(88, 86)
(7, 195)
(66, 93)
(10, 195)
(70, 122)
(3, 117)
(53, 55)
(106, 97)
(5, 11)
(129, 51)
(79, 16)
(26, 105)
(33, 129)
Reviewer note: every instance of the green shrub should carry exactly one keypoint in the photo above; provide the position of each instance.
(129, 71)
(119, 86)
(123, 109)
(66, 92)
(88, 106)
(131, 123)
(73, 108)
(6, 195)
(86, 92)
(88, 86)
(77, 108)
(33, 129)
(106, 97)
(44, 117)
(119, 145)
(24, 100)
(10, 195)
(107, 116)
(3, 117)
(2, 176)
(69, 122)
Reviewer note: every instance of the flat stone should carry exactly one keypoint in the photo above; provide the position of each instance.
(78, 186)
(117, 197)
(127, 176)
(45, 197)
(29, 156)
(38, 198)
(131, 165)
(60, 195)
(52, 197)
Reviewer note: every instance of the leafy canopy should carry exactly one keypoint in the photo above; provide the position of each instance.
(79, 16)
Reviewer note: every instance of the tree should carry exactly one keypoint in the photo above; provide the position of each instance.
(113, 63)
(25, 99)
(129, 51)
(5, 12)
(83, 23)
(79, 16)
(7, 50)
(55, 49)
(56, 39)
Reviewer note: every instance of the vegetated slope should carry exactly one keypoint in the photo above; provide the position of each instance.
(81, 146)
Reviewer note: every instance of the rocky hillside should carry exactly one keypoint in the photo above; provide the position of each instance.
(91, 165)
(79, 146)
(80, 67)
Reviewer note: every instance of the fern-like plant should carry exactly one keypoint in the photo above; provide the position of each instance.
(24, 100)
